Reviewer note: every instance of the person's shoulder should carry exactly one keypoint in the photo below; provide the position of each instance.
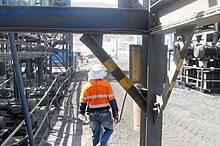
(87, 84)
(106, 82)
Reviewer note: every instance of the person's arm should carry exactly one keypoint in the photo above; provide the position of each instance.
(83, 102)
(114, 106)
(82, 108)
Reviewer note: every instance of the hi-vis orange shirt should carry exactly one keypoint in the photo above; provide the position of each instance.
(97, 94)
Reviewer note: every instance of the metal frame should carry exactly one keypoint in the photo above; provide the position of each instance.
(72, 19)
(61, 87)
(176, 14)
(161, 20)
(200, 82)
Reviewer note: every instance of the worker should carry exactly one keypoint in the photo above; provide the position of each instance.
(97, 97)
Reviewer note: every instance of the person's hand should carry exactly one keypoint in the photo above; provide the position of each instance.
(82, 117)
(116, 118)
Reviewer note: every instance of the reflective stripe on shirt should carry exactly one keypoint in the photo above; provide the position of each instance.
(98, 96)
(98, 105)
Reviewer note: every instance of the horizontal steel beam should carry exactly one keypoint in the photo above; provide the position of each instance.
(23, 55)
(178, 13)
(72, 19)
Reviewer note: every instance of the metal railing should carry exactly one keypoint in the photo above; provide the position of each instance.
(69, 72)
(199, 79)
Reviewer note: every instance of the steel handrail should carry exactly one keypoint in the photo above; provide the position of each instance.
(34, 109)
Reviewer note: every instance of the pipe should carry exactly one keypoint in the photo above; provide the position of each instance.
(20, 87)
(122, 107)
(12, 134)
(216, 33)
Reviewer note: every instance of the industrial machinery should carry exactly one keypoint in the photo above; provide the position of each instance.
(46, 63)
(44, 80)
(202, 63)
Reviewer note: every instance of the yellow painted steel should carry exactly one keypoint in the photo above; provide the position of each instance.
(126, 83)
(179, 65)
(170, 87)
(110, 65)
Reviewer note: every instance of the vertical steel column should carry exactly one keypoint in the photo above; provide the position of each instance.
(27, 71)
(155, 81)
(21, 87)
(154, 131)
(16, 92)
(31, 69)
(134, 4)
(71, 51)
(8, 75)
(40, 72)
(67, 51)
(116, 51)
(50, 67)
(144, 62)
(144, 80)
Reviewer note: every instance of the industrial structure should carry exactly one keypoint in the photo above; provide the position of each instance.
(36, 37)
(201, 68)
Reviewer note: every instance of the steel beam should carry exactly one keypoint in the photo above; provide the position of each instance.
(155, 79)
(175, 14)
(72, 19)
(116, 72)
(23, 55)
(170, 81)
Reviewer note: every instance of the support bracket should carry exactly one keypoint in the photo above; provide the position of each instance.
(170, 81)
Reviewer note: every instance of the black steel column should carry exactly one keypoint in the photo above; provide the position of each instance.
(155, 85)
(144, 62)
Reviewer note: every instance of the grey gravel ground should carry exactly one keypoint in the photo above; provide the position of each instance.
(69, 131)
(191, 118)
